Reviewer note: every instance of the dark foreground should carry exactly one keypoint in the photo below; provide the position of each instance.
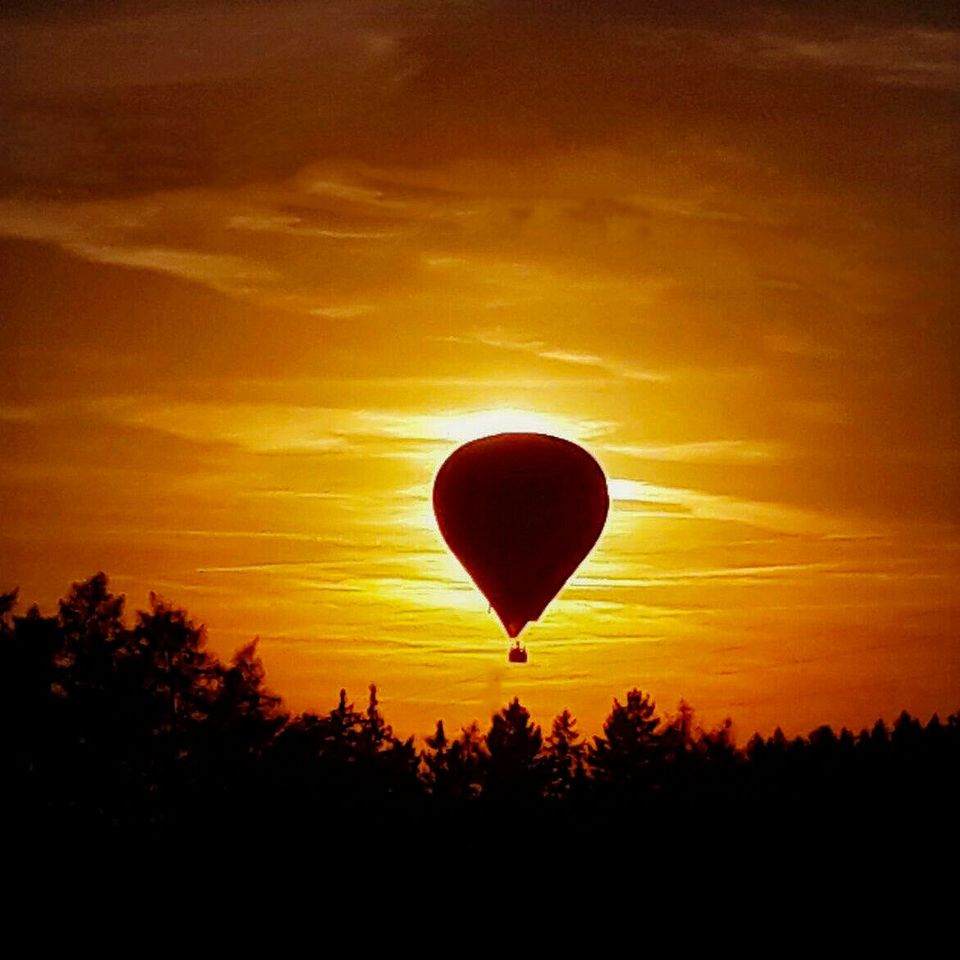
(136, 740)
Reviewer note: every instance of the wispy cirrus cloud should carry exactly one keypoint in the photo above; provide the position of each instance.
(911, 56)
(219, 271)
(283, 427)
(107, 233)
(545, 351)
(706, 451)
(356, 194)
(294, 226)
(696, 504)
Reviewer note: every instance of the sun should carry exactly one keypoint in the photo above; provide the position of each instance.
(472, 425)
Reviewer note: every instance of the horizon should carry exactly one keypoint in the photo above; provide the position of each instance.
(664, 714)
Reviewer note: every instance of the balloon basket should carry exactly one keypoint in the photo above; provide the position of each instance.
(517, 654)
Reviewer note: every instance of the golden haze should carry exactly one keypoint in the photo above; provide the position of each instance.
(257, 287)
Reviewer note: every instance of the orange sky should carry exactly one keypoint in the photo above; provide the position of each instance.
(264, 266)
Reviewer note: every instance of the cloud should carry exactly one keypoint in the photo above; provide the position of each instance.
(293, 226)
(540, 349)
(750, 574)
(354, 194)
(340, 312)
(245, 98)
(911, 56)
(706, 451)
(260, 92)
(277, 427)
(97, 232)
(219, 271)
(699, 505)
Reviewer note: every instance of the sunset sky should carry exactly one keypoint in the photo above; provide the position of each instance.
(264, 266)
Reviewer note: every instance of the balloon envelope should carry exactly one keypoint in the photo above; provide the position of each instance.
(520, 511)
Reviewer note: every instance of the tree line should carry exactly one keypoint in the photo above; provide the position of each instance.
(109, 726)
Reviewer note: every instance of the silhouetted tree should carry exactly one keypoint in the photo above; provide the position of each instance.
(718, 745)
(393, 763)
(242, 695)
(91, 625)
(907, 733)
(374, 732)
(340, 752)
(513, 744)
(34, 729)
(466, 764)
(563, 758)
(435, 760)
(105, 725)
(879, 737)
(719, 757)
(628, 747)
(167, 652)
(242, 720)
(676, 736)
(7, 602)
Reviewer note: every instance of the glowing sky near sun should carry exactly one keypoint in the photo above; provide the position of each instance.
(264, 266)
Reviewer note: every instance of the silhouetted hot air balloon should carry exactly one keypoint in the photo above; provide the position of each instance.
(520, 511)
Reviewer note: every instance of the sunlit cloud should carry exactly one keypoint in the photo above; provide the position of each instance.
(292, 226)
(217, 270)
(340, 312)
(353, 194)
(772, 516)
(101, 232)
(541, 349)
(706, 451)
(277, 427)
(472, 425)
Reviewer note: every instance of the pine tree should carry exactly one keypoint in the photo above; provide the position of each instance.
(342, 732)
(374, 732)
(563, 756)
(467, 761)
(436, 761)
(514, 744)
(629, 744)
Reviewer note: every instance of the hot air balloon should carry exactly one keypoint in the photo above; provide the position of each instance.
(520, 511)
